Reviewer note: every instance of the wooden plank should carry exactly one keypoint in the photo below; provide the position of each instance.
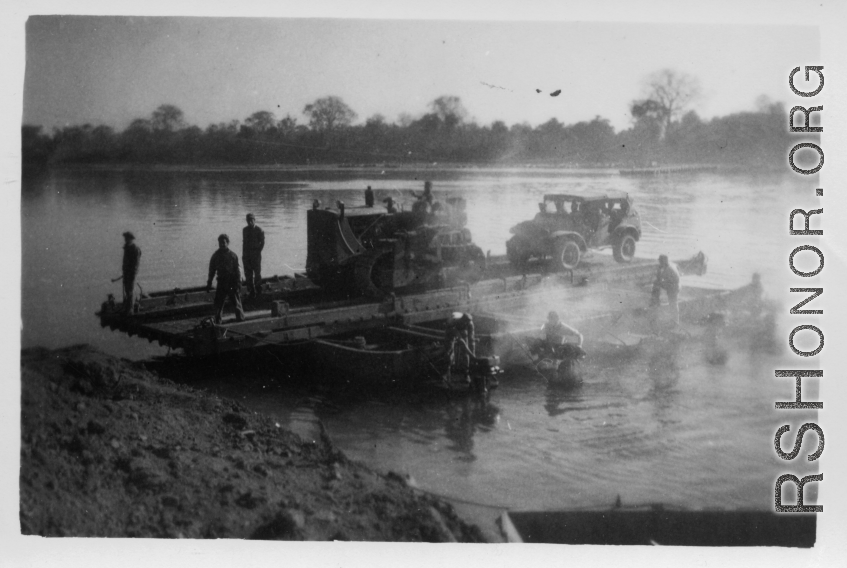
(499, 296)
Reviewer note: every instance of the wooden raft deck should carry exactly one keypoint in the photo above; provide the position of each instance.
(597, 290)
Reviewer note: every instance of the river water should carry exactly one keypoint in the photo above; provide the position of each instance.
(669, 428)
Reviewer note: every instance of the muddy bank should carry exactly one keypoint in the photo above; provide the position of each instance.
(110, 449)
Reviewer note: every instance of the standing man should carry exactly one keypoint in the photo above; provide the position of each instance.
(369, 197)
(460, 339)
(225, 263)
(132, 259)
(251, 255)
(667, 279)
(427, 193)
(422, 208)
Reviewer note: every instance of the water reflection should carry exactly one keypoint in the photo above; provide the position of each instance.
(664, 373)
(560, 399)
(464, 418)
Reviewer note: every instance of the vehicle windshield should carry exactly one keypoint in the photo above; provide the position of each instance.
(572, 204)
(559, 206)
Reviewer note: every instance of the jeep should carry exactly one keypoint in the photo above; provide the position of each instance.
(567, 225)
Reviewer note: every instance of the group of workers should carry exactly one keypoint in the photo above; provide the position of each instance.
(224, 263)
(459, 334)
(424, 205)
(460, 341)
(556, 342)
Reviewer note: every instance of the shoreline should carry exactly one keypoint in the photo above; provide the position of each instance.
(384, 168)
(108, 448)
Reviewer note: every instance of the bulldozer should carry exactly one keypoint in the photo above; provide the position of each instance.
(361, 251)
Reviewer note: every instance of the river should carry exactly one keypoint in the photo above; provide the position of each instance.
(673, 429)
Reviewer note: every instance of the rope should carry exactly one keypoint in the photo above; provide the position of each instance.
(458, 499)
(438, 375)
(531, 360)
(260, 340)
(654, 226)
(368, 228)
(606, 330)
(615, 507)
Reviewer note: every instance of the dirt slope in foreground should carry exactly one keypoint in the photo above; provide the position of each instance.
(110, 449)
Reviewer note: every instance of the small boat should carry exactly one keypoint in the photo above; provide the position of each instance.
(659, 525)
(398, 356)
(380, 357)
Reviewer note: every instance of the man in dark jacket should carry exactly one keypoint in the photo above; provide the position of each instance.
(460, 339)
(225, 263)
(251, 255)
(132, 259)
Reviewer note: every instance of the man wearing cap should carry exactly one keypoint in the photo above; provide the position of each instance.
(667, 279)
(251, 254)
(224, 263)
(132, 259)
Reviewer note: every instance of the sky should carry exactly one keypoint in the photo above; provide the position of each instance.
(111, 70)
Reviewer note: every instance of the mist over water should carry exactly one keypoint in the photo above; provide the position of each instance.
(665, 426)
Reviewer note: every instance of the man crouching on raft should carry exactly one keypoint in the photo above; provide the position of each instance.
(555, 343)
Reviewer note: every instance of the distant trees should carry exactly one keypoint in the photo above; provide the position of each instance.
(261, 121)
(84, 144)
(329, 113)
(449, 110)
(167, 118)
(667, 92)
(663, 130)
(287, 126)
(36, 146)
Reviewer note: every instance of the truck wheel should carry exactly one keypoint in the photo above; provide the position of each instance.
(517, 252)
(624, 249)
(566, 254)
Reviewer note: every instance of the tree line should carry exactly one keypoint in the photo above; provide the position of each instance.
(663, 131)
